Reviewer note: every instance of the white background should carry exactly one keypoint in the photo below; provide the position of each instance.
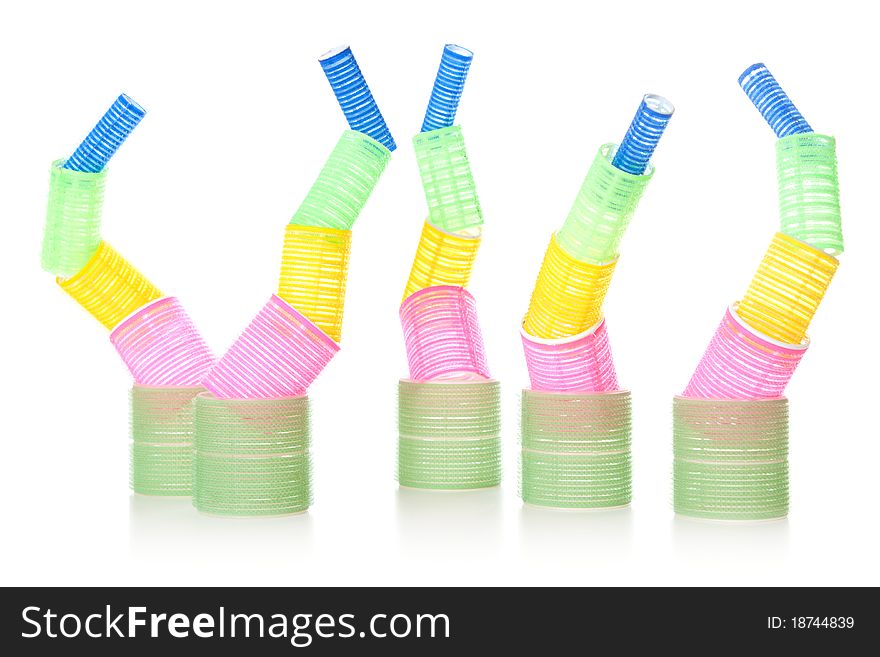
(240, 120)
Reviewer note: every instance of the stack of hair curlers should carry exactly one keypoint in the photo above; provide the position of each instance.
(449, 408)
(576, 420)
(730, 425)
(253, 426)
(152, 332)
(234, 433)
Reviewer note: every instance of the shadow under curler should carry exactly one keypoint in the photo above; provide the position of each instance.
(450, 525)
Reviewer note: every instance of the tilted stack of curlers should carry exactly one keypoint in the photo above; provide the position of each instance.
(253, 427)
(152, 333)
(235, 432)
(449, 409)
(576, 420)
(730, 425)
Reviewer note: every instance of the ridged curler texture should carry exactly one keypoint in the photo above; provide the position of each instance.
(160, 470)
(568, 295)
(442, 259)
(442, 334)
(162, 434)
(576, 449)
(73, 219)
(354, 96)
(730, 430)
(314, 270)
(448, 86)
(787, 289)
(740, 363)
(344, 184)
(453, 204)
(602, 210)
(449, 410)
(576, 481)
(109, 287)
(279, 354)
(809, 197)
(772, 102)
(731, 458)
(449, 464)
(252, 456)
(161, 345)
(581, 363)
(643, 134)
(569, 423)
(107, 136)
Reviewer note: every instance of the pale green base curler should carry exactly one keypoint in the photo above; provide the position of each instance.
(809, 196)
(730, 458)
(446, 464)
(576, 449)
(162, 432)
(576, 481)
(449, 435)
(252, 456)
(453, 204)
(161, 469)
(602, 210)
(73, 219)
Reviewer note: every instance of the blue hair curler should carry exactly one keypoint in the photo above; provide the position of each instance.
(105, 138)
(644, 132)
(772, 102)
(353, 94)
(454, 66)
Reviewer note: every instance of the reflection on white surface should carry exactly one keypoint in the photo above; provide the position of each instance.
(451, 524)
(708, 541)
(171, 528)
(575, 535)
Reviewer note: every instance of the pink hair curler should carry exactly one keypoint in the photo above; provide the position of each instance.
(161, 346)
(279, 354)
(741, 363)
(581, 363)
(442, 334)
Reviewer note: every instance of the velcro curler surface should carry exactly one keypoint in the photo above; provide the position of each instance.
(568, 295)
(252, 456)
(162, 470)
(809, 197)
(576, 449)
(162, 434)
(582, 362)
(576, 481)
(449, 186)
(602, 210)
(73, 219)
(569, 423)
(449, 464)
(740, 363)
(163, 415)
(279, 354)
(161, 345)
(442, 259)
(787, 289)
(449, 410)
(730, 430)
(731, 458)
(344, 184)
(109, 287)
(314, 270)
(442, 334)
